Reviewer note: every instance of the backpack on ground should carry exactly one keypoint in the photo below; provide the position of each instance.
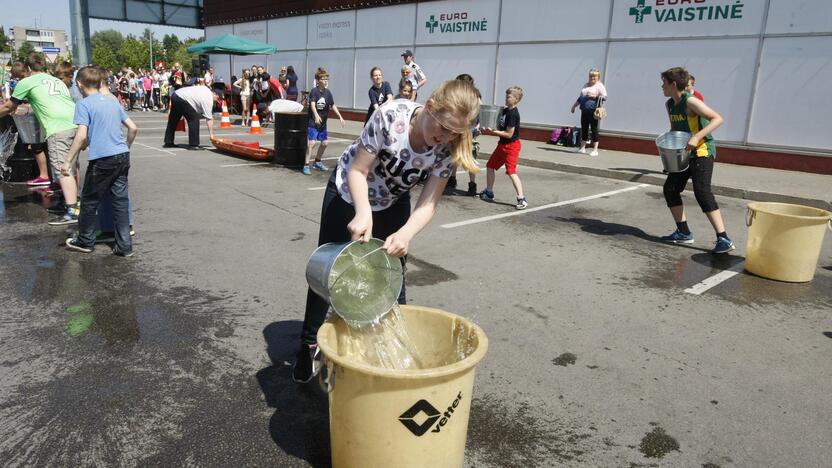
(553, 139)
(563, 138)
(575, 137)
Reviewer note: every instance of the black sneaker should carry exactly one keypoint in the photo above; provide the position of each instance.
(307, 363)
(123, 254)
(57, 208)
(72, 244)
(67, 218)
(472, 189)
(451, 182)
(168, 145)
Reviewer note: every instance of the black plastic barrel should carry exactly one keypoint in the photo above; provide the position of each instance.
(290, 138)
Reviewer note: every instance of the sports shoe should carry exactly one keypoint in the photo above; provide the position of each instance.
(72, 244)
(319, 166)
(307, 364)
(581, 150)
(451, 182)
(123, 254)
(521, 203)
(132, 231)
(472, 189)
(168, 145)
(593, 152)
(57, 208)
(723, 245)
(306, 170)
(677, 237)
(486, 195)
(67, 218)
(54, 187)
(38, 181)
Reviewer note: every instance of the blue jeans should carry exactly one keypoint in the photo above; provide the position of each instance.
(105, 213)
(106, 176)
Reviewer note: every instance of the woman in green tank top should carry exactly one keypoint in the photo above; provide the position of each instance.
(690, 114)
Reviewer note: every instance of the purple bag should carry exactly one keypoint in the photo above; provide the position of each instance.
(553, 139)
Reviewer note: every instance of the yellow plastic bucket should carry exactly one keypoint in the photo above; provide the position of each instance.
(403, 418)
(784, 240)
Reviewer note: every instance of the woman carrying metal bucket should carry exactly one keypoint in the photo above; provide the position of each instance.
(368, 194)
(689, 114)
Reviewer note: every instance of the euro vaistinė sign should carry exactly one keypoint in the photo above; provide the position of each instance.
(455, 22)
(683, 18)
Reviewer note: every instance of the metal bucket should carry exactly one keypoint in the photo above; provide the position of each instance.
(489, 115)
(28, 128)
(673, 150)
(360, 281)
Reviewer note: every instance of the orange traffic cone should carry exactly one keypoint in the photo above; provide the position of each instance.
(225, 121)
(255, 122)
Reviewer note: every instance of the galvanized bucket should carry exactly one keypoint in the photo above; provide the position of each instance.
(359, 280)
(673, 150)
(489, 116)
(28, 128)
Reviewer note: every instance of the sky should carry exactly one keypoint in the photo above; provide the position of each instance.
(54, 14)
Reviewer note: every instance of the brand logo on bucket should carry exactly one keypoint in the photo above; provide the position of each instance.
(455, 22)
(669, 11)
(433, 415)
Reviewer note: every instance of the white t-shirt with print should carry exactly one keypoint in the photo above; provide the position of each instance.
(397, 167)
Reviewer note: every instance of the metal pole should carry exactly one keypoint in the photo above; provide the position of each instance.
(151, 48)
(80, 29)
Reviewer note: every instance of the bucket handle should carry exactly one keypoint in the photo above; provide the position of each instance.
(327, 382)
(749, 217)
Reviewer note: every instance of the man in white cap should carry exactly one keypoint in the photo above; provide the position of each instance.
(420, 77)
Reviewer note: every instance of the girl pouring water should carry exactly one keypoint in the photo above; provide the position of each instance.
(368, 194)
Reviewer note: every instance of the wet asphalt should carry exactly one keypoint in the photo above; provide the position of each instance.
(598, 357)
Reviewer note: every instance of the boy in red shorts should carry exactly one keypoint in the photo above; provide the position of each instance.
(508, 149)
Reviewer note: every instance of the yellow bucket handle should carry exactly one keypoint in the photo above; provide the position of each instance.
(327, 382)
(749, 216)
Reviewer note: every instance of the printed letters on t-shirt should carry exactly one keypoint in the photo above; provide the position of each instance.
(393, 165)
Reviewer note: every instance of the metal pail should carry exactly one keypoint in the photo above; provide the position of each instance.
(360, 281)
(673, 150)
(28, 128)
(489, 115)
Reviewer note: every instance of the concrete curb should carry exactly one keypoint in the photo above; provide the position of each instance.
(658, 180)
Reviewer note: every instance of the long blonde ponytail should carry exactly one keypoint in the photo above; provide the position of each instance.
(461, 99)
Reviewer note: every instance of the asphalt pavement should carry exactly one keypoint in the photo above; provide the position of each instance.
(607, 347)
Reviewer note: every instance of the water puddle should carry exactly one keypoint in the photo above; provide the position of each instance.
(657, 444)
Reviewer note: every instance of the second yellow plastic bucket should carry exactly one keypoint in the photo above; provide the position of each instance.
(403, 418)
(784, 240)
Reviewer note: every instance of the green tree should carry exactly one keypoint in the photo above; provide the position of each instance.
(105, 57)
(170, 44)
(5, 45)
(135, 53)
(25, 50)
(109, 38)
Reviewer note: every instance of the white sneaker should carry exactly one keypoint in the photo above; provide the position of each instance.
(594, 152)
(581, 150)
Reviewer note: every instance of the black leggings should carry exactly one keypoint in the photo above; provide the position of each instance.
(589, 126)
(700, 170)
(335, 215)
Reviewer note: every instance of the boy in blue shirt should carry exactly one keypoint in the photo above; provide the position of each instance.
(99, 119)
(320, 102)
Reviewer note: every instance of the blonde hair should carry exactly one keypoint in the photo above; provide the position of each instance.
(516, 92)
(321, 73)
(459, 98)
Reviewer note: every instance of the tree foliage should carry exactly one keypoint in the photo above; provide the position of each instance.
(25, 50)
(5, 40)
(106, 57)
(111, 49)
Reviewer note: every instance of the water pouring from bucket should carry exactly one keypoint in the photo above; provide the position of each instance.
(359, 280)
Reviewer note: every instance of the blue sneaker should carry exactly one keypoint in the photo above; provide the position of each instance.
(306, 170)
(319, 166)
(487, 195)
(723, 245)
(677, 237)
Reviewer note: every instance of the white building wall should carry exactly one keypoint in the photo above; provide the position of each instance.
(752, 58)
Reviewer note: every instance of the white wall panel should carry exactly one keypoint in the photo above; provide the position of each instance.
(534, 20)
(215, 31)
(221, 63)
(442, 63)
(390, 62)
(222, 67)
(331, 30)
(799, 16)
(254, 30)
(669, 18)
(339, 64)
(790, 110)
(288, 33)
(457, 21)
(551, 76)
(723, 68)
(387, 26)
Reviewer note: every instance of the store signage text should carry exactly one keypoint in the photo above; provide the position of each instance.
(455, 22)
(668, 11)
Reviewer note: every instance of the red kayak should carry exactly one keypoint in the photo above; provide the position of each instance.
(246, 149)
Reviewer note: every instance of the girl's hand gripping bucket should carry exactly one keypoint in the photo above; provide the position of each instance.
(360, 281)
(673, 150)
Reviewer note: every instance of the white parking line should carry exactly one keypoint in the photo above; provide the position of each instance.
(716, 279)
(245, 164)
(317, 188)
(154, 148)
(543, 207)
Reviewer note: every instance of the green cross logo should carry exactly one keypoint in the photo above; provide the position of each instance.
(431, 24)
(640, 10)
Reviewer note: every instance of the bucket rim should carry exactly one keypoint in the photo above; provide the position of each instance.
(760, 206)
(463, 365)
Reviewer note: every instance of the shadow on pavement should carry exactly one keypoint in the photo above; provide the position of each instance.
(300, 423)
(637, 170)
(717, 261)
(603, 228)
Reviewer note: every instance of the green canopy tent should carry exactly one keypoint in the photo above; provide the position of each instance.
(232, 45)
